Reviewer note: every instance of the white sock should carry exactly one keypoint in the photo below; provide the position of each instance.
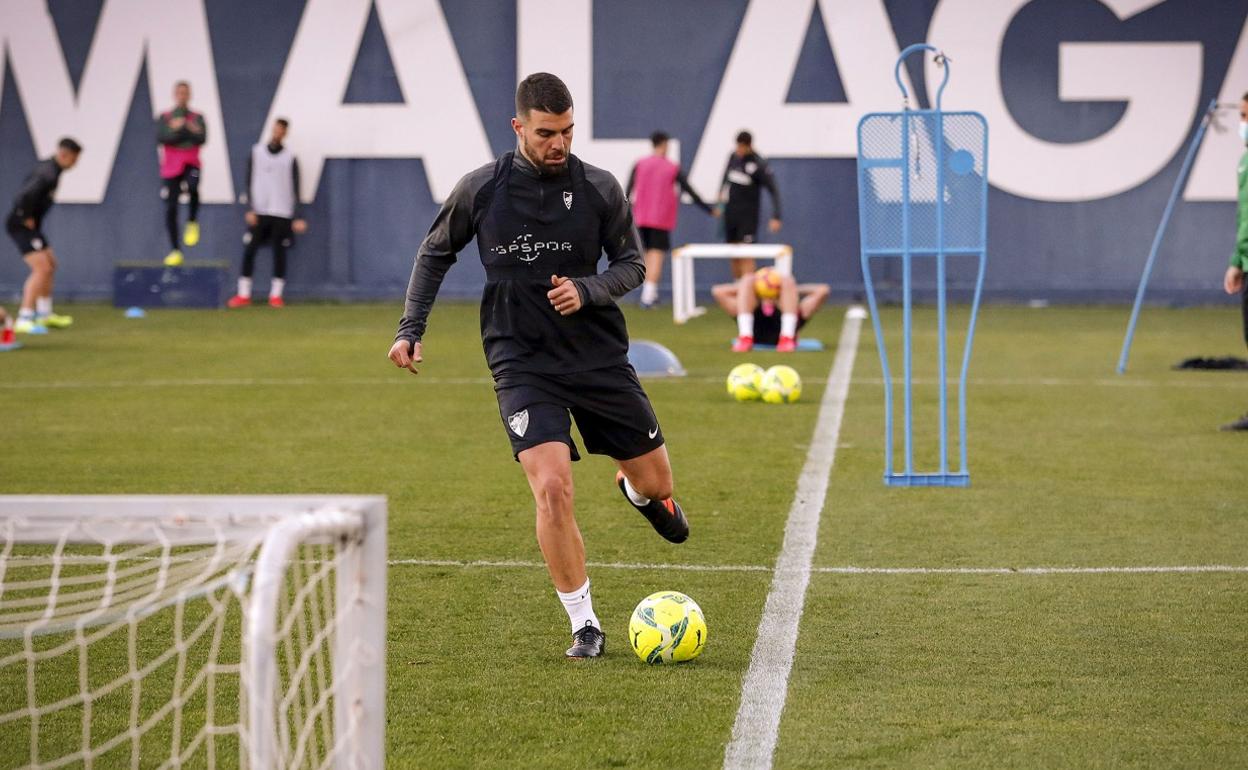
(745, 324)
(788, 324)
(43, 306)
(580, 607)
(649, 292)
(244, 287)
(275, 288)
(25, 314)
(634, 495)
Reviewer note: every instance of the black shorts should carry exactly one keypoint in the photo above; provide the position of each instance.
(654, 238)
(272, 230)
(740, 230)
(611, 410)
(767, 327)
(27, 241)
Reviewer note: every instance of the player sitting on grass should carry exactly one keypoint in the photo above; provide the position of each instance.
(25, 227)
(1234, 280)
(6, 332)
(769, 308)
(554, 338)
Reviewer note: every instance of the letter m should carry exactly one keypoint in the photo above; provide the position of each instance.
(171, 35)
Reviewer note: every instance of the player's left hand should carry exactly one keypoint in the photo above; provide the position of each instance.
(565, 298)
(774, 225)
(299, 227)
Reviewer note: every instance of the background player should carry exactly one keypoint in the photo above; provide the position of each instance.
(652, 190)
(745, 176)
(25, 227)
(769, 322)
(554, 338)
(180, 133)
(1233, 282)
(272, 212)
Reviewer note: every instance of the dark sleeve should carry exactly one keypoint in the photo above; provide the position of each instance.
(197, 137)
(683, 181)
(247, 184)
(34, 192)
(165, 134)
(766, 179)
(451, 231)
(632, 182)
(294, 180)
(625, 267)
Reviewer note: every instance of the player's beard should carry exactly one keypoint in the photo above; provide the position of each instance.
(544, 167)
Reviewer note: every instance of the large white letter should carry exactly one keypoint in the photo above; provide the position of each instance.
(1213, 175)
(760, 70)
(1159, 81)
(172, 34)
(438, 122)
(571, 22)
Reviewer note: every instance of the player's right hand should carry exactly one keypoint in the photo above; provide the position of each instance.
(406, 355)
(250, 218)
(1233, 281)
(29, 222)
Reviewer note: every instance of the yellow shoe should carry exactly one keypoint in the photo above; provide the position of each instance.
(174, 259)
(191, 236)
(54, 321)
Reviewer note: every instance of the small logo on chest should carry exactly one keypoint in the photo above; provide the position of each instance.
(567, 200)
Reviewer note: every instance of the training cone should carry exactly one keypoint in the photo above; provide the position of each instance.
(136, 312)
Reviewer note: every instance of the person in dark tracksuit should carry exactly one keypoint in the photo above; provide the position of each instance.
(1233, 282)
(554, 338)
(25, 226)
(745, 177)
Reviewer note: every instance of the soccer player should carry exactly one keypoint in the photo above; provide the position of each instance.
(553, 335)
(745, 176)
(765, 321)
(7, 342)
(1233, 281)
(180, 133)
(652, 189)
(25, 227)
(272, 212)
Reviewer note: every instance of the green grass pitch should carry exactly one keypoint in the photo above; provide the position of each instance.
(1071, 466)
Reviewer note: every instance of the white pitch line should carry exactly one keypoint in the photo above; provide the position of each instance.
(1226, 381)
(766, 683)
(842, 570)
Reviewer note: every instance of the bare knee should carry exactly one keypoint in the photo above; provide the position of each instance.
(553, 493)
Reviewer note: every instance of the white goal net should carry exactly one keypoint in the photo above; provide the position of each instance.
(188, 631)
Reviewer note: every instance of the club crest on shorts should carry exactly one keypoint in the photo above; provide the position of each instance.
(567, 200)
(519, 422)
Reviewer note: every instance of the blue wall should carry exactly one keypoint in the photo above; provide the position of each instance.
(655, 64)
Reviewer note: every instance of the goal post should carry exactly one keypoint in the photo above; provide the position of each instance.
(216, 631)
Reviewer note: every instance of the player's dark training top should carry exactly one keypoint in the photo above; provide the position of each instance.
(33, 202)
(529, 227)
(746, 177)
(35, 197)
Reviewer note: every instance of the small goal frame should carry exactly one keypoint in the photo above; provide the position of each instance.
(281, 523)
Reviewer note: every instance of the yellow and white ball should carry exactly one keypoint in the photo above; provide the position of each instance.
(667, 627)
(767, 283)
(781, 385)
(745, 382)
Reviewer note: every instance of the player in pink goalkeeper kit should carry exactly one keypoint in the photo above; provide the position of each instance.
(652, 190)
(180, 133)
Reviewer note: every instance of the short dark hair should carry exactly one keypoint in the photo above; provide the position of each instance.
(1246, 96)
(658, 137)
(283, 122)
(67, 143)
(746, 138)
(542, 91)
(180, 83)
